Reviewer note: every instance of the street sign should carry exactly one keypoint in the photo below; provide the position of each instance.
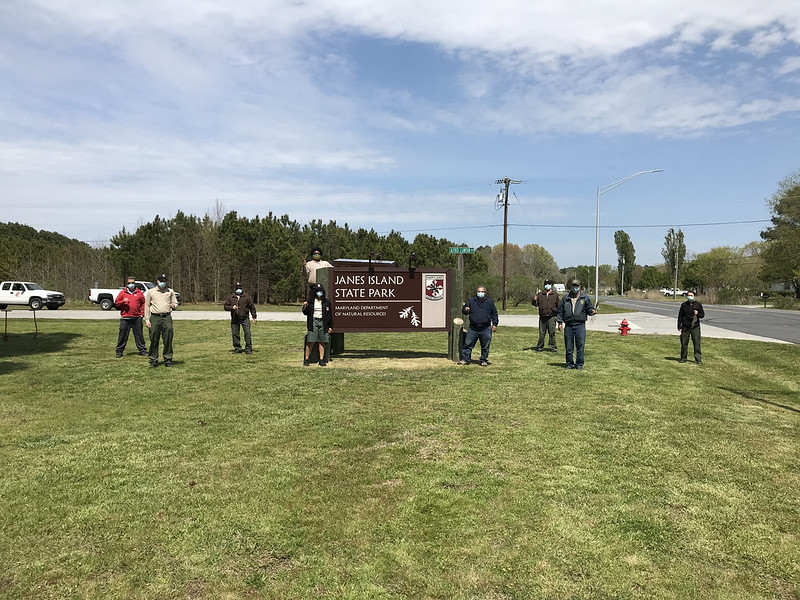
(462, 250)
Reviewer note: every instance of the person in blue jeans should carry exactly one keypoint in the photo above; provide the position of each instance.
(573, 310)
(482, 323)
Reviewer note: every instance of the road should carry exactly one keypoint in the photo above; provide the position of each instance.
(771, 323)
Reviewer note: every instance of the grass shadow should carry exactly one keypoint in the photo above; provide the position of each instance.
(757, 396)
(22, 344)
(389, 354)
(674, 358)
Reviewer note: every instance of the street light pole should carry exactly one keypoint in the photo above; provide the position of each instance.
(602, 190)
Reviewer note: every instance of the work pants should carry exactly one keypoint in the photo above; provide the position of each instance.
(160, 329)
(547, 325)
(575, 339)
(125, 326)
(694, 333)
(245, 325)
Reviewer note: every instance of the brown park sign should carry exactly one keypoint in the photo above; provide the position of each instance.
(389, 299)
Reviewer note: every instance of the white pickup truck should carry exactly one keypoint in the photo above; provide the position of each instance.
(105, 297)
(25, 293)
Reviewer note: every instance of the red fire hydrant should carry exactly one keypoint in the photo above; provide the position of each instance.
(624, 327)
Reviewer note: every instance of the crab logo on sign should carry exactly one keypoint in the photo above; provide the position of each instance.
(434, 287)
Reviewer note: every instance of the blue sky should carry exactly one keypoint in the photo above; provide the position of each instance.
(402, 114)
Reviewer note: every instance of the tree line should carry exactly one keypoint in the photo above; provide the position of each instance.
(204, 257)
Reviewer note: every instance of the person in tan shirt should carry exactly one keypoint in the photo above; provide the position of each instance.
(315, 263)
(159, 302)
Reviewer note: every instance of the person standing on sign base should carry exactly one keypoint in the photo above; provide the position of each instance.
(310, 267)
(319, 323)
(241, 308)
(573, 310)
(159, 302)
(547, 303)
(483, 322)
(689, 316)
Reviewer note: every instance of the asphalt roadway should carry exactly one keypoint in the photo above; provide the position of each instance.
(653, 316)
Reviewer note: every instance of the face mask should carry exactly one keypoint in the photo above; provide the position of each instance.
(162, 284)
(690, 298)
(481, 294)
(239, 291)
(131, 286)
(320, 294)
(548, 286)
(316, 256)
(576, 288)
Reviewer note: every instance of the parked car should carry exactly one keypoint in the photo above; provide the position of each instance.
(671, 292)
(25, 293)
(105, 297)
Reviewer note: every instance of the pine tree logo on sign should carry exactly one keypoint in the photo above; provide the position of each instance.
(434, 287)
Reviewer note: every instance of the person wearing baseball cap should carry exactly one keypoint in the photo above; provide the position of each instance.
(241, 307)
(573, 310)
(159, 302)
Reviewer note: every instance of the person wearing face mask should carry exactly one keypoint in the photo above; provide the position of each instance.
(483, 322)
(159, 302)
(689, 315)
(130, 303)
(241, 307)
(547, 303)
(315, 263)
(573, 310)
(319, 323)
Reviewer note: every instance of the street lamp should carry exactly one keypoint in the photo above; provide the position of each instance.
(602, 190)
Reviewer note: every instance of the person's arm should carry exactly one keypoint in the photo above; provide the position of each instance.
(119, 301)
(147, 309)
(590, 309)
(700, 312)
(252, 309)
(465, 308)
(679, 318)
(494, 317)
(228, 303)
(560, 314)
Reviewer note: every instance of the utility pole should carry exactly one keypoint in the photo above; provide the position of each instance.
(505, 181)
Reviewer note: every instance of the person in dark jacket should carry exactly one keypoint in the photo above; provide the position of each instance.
(573, 310)
(547, 303)
(689, 315)
(241, 308)
(319, 323)
(483, 322)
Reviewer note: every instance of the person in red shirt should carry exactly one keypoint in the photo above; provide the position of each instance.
(130, 303)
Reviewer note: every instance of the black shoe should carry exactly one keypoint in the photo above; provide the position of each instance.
(484, 363)
(570, 366)
(683, 360)
(167, 364)
(538, 349)
(119, 354)
(306, 363)
(323, 363)
(142, 352)
(463, 362)
(248, 351)
(153, 365)
(553, 349)
(237, 350)
(699, 362)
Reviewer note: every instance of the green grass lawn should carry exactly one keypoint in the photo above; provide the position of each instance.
(393, 473)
